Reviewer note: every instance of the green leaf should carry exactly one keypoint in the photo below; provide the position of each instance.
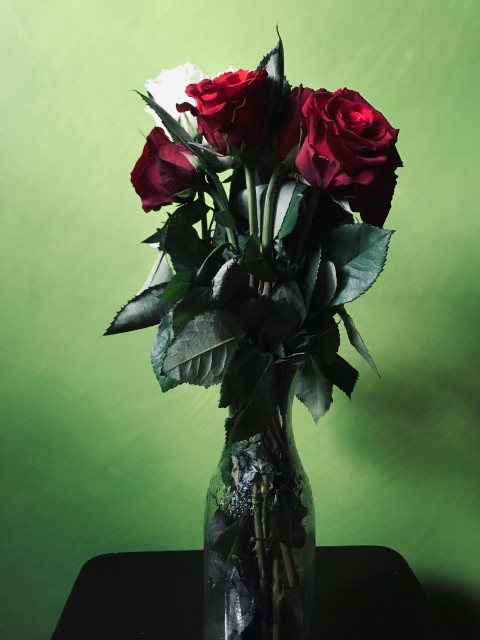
(178, 286)
(161, 343)
(290, 292)
(282, 202)
(230, 281)
(275, 86)
(171, 125)
(311, 276)
(191, 212)
(196, 301)
(216, 161)
(225, 218)
(159, 273)
(230, 541)
(240, 377)
(154, 238)
(185, 248)
(273, 61)
(314, 389)
(285, 224)
(323, 343)
(355, 338)
(325, 286)
(211, 265)
(344, 203)
(253, 312)
(342, 374)
(281, 322)
(248, 384)
(209, 160)
(255, 262)
(237, 185)
(358, 252)
(202, 349)
(143, 310)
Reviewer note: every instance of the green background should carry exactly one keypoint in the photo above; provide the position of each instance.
(94, 459)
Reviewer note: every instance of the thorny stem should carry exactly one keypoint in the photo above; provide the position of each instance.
(212, 220)
(292, 573)
(205, 229)
(278, 432)
(264, 488)
(276, 596)
(269, 209)
(219, 197)
(259, 544)
(252, 197)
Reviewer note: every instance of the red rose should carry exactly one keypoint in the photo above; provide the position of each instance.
(292, 128)
(230, 106)
(350, 149)
(163, 173)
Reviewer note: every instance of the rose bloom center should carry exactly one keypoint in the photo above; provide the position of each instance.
(356, 117)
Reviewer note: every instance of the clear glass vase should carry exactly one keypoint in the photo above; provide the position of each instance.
(259, 546)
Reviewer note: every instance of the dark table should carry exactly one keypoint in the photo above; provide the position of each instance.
(362, 593)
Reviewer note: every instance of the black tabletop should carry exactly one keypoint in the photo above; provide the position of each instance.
(362, 593)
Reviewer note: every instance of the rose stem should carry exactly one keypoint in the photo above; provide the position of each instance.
(267, 287)
(264, 506)
(219, 197)
(311, 206)
(278, 432)
(276, 596)
(259, 543)
(292, 573)
(269, 209)
(205, 233)
(252, 197)
(212, 220)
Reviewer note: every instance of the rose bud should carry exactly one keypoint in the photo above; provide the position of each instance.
(350, 150)
(163, 174)
(230, 109)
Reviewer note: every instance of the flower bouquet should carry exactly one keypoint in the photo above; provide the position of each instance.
(276, 201)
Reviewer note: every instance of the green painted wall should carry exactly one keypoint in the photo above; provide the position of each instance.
(94, 459)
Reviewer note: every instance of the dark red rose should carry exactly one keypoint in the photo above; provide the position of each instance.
(163, 174)
(350, 150)
(231, 106)
(292, 128)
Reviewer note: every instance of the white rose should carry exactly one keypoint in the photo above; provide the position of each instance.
(168, 90)
(220, 73)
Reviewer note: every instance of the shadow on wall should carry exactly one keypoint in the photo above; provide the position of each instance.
(458, 612)
(417, 424)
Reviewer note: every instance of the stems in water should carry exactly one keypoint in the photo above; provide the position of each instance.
(259, 541)
(290, 568)
(276, 596)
